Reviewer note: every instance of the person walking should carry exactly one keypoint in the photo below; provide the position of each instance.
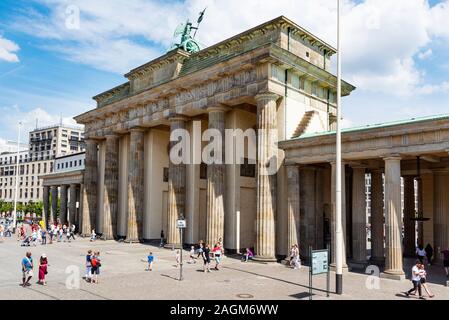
(44, 236)
(429, 253)
(162, 239)
(150, 262)
(217, 256)
(416, 280)
(420, 253)
(445, 254)
(72, 232)
(206, 258)
(43, 264)
(96, 264)
(296, 257)
(200, 249)
(192, 255)
(88, 275)
(178, 258)
(93, 236)
(423, 275)
(27, 269)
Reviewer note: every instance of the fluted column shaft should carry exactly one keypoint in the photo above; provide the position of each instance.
(110, 198)
(216, 180)
(358, 215)
(266, 176)
(46, 214)
(293, 206)
(63, 205)
(135, 185)
(343, 211)
(176, 188)
(393, 218)
(72, 203)
(54, 204)
(409, 213)
(441, 211)
(309, 226)
(89, 190)
(377, 218)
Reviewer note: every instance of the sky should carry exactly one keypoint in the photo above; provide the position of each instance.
(55, 55)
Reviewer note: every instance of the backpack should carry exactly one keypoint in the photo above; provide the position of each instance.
(93, 262)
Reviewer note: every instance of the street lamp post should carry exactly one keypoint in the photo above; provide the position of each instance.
(17, 181)
(338, 214)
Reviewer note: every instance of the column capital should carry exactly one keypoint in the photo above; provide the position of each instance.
(266, 96)
(218, 108)
(393, 157)
(177, 117)
(137, 129)
(440, 170)
(333, 162)
(110, 136)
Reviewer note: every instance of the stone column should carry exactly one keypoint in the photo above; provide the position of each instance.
(176, 188)
(409, 213)
(393, 220)
(308, 230)
(358, 217)
(46, 214)
(72, 203)
(54, 204)
(377, 218)
(89, 192)
(319, 208)
(343, 213)
(135, 185)
(266, 176)
(110, 197)
(440, 213)
(216, 170)
(293, 207)
(63, 205)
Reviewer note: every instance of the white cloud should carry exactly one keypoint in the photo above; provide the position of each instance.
(431, 89)
(8, 50)
(11, 116)
(425, 54)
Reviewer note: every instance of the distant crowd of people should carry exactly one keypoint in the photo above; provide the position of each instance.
(35, 234)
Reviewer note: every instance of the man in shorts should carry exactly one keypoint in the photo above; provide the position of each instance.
(27, 269)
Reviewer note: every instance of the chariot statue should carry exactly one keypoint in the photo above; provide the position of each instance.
(187, 41)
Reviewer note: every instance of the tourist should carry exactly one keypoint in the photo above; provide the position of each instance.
(445, 254)
(150, 262)
(27, 269)
(423, 275)
(39, 234)
(192, 255)
(51, 232)
(88, 266)
(162, 238)
(292, 254)
(44, 236)
(206, 258)
(96, 264)
(420, 253)
(248, 255)
(416, 280)
(93, 236)
(200, 249)
(429, 253)
(217, 255)
(72, 232)
(67, 234)
(296, 258)
(60, 233)
(34, 237)
(2, 230)
(43, 264)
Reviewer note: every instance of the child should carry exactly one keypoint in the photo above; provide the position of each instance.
(150, 262)
(217, 256)
(192, 255)
(93, 235)
(248, 255)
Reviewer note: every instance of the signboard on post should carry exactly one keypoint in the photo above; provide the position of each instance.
(319, 264)
(181, 224)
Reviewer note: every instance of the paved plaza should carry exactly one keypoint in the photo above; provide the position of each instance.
(123, 276)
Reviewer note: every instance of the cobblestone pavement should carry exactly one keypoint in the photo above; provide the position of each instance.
(123, 276)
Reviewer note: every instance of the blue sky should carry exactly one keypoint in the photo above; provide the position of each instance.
(396, 52)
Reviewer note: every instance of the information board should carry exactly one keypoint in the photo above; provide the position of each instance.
(320, 261)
